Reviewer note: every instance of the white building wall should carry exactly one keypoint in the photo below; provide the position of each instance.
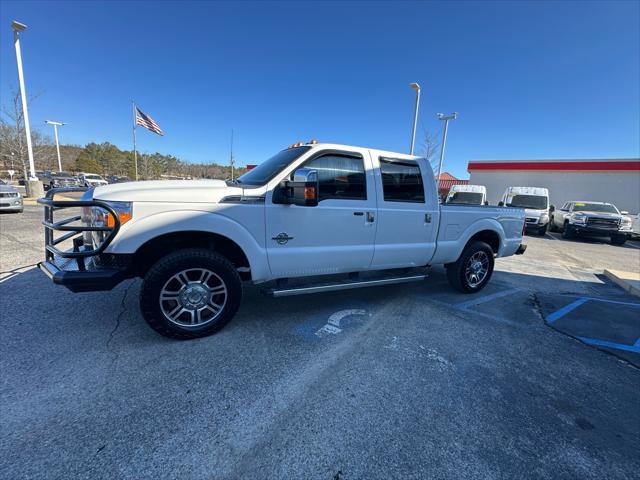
(622, 188)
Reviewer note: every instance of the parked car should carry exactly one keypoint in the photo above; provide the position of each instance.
(62, 179)
(592, 218)
(10, 198)
(310, 210)
(118, 179)
(91, 180)
(535, 201)
(467, 195)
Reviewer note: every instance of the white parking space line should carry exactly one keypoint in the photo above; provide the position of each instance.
(487, 298)
(550, 236)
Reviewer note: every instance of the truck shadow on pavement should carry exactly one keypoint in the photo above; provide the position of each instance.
(450, 379)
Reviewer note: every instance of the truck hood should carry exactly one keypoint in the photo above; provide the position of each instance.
(174, 191)
(604, 215)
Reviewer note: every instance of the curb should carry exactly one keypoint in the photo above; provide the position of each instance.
(629, 281)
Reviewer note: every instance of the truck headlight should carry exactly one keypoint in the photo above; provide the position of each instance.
(625, 224)
(544, 218)
(580, 219)
(100, 217)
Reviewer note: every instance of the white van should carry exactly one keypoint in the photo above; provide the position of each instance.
(467, 195)
(535, 201)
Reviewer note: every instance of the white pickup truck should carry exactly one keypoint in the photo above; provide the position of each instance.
(312, 218)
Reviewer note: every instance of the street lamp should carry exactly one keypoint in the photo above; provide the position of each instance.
(32, 183)
(416, 87)
(446, 119)
(55, 133)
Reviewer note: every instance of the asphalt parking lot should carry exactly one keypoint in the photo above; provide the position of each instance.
(538, 376)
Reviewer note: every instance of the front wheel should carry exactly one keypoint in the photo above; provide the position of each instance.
(473, 270)
(542, 230)
(552, 225)
(568, 231)
(190, 293)
(617, 239)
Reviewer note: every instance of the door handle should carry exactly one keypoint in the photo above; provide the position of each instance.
(370, 217)
(358, 214)
(427, 218)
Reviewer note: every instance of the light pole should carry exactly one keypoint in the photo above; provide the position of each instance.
(55, 134)
(32, 183)
(416, 87)
(446, 119)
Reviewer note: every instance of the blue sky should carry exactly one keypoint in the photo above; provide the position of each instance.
(529, 79)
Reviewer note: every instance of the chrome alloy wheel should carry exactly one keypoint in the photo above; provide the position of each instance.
(477, 268)
(193, 297)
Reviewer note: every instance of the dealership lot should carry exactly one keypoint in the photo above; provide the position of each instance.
(538, 375)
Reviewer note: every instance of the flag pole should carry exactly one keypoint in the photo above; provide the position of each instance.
(135, 152)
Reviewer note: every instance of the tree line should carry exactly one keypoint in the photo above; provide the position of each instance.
(102, 158)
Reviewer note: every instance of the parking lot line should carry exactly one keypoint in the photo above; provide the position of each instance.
(488, 298)
(566, 309)
(550, 236)
(618, 346)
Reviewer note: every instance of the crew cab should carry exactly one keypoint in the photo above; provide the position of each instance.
(467, 195)
(312, 218)
(535, 201)
(592, 218)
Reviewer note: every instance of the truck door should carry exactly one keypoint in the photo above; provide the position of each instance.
(408, 213)
(338, 234)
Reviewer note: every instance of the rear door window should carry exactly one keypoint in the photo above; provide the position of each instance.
(401, 180)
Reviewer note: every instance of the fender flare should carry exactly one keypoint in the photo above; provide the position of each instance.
(133, 236)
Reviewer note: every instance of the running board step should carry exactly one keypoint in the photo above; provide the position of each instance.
(340, 285)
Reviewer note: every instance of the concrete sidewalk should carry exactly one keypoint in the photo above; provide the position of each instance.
(629, 281)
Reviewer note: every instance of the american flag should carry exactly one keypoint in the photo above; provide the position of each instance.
(147, 122)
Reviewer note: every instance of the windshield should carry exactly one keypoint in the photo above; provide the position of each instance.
(594, 207)
(270, 168)
(93, 177)
(467, 198)
(61, 174)
(528, 201)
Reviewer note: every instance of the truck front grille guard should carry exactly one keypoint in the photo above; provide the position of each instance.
(74, 231)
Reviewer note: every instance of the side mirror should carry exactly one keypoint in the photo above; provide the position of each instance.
(501, 204)
(624, 212)
(305, 187)
(552, 208)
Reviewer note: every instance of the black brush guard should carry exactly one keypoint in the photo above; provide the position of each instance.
(76, 269)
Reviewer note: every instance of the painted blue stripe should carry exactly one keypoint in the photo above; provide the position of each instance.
(604, 343)
(488, 298)
(613, 301)
(566, 309)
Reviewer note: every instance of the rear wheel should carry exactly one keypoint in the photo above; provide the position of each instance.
(473, 270)
(190, 293)
(617, 239)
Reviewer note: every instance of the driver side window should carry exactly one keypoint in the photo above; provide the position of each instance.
(341, 177)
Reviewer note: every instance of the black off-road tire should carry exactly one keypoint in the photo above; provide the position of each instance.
(178, 261)
(456, 272)
(618, 239)
(542, 230)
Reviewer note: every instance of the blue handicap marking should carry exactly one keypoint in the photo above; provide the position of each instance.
(558, 314)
